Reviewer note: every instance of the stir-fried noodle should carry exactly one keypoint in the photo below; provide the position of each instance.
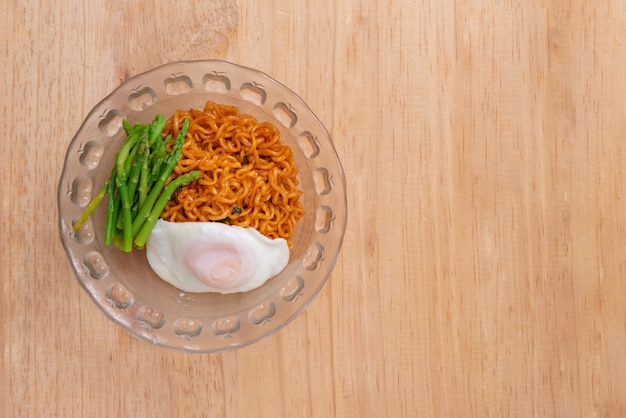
(249, 175)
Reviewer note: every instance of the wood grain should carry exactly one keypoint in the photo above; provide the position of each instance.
(482, 273)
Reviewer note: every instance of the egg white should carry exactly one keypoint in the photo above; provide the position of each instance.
(214, 257)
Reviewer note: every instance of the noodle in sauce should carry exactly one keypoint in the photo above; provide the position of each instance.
(249, 177)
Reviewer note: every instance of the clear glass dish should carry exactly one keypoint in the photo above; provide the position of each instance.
(124, 286)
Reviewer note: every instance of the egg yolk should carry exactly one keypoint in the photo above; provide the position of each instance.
(220, 268)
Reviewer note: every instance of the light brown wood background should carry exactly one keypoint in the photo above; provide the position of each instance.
(483, 270)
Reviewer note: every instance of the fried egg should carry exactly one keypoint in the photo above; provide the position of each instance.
(214, 257)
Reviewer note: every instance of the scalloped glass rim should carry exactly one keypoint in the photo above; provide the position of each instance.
(124, 287)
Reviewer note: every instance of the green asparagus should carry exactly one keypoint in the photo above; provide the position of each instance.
(137, 189)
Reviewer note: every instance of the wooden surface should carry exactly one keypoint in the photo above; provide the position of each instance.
(483, 269)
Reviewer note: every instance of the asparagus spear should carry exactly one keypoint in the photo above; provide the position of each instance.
(113, 204)
(135, 172)
(154, 132)
(91, 207)
(127, 243)
(157, 157)
(146, 228)
(125, 151)
(143, 180)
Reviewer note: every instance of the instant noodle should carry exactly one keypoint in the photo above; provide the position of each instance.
(249, 177)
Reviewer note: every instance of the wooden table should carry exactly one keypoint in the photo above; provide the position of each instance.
(483, 268)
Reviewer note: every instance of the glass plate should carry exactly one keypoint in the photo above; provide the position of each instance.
(124, 286)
